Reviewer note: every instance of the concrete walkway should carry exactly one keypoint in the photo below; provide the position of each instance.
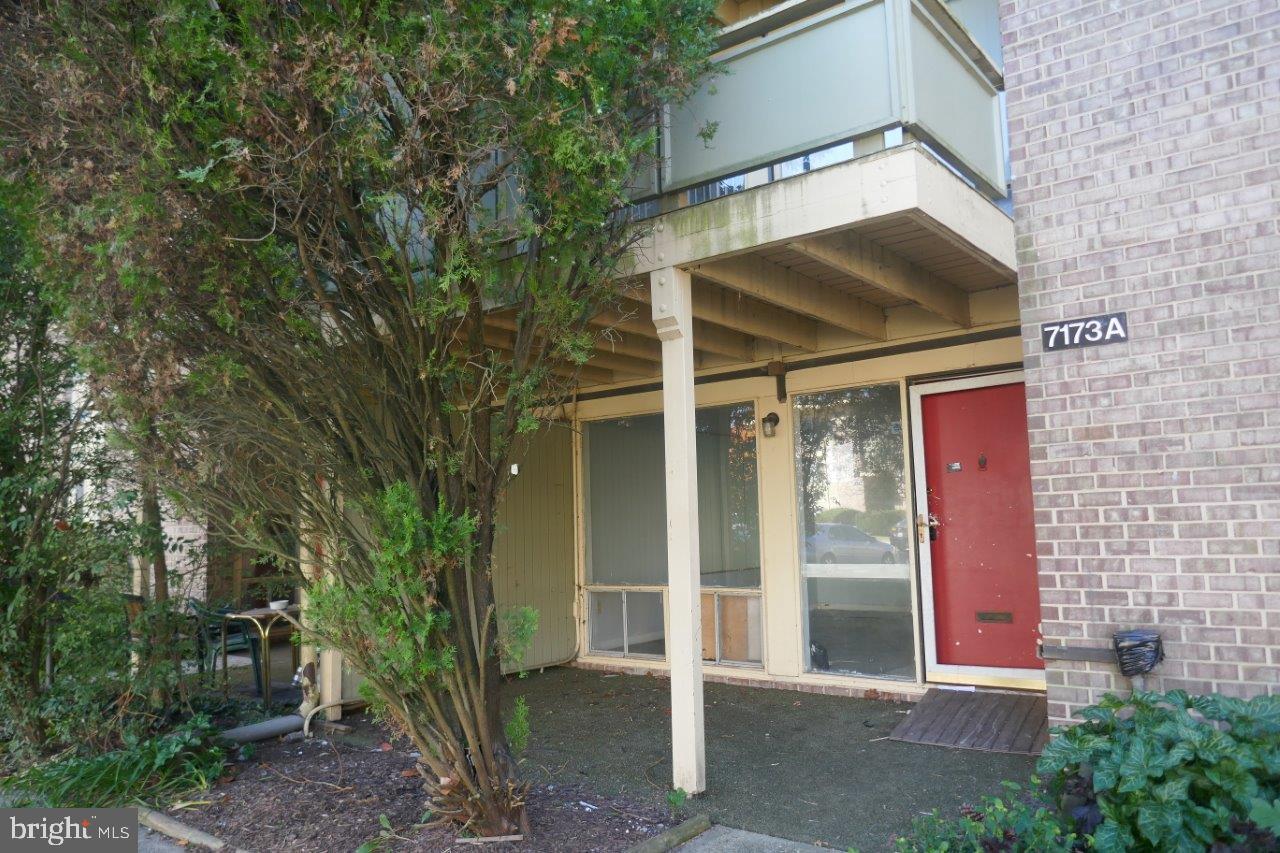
(726, 839)
(153, 842)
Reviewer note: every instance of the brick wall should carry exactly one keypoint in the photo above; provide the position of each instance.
(1145, 143)
(186, 555)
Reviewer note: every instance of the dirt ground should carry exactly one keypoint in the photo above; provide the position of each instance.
(320, 795)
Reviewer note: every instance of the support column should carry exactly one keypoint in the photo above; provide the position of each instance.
(327, 662)
(671, 291)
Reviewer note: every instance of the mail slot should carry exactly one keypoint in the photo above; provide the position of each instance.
(995, 616)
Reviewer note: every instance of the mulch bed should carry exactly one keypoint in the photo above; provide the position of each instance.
(321, 795)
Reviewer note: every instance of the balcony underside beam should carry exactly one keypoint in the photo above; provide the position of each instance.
(716, 306)
(504, 340)
(884, 270)
(784, 288)
(632, 354)
(723, 339)
(621, 364)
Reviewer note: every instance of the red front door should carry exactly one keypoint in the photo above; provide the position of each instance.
(986, 599)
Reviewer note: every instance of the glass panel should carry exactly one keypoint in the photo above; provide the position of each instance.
(816, 160)
(728, 505)
(606, 622)
(626, 499)
(740, 639)
(646, 632)
(850, 472)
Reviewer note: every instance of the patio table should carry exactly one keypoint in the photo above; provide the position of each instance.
(263, 620)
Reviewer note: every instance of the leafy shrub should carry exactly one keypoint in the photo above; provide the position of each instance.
(1021, 820)
(1151, 772)
(103, 679)
(1171, 772)
(151, 770)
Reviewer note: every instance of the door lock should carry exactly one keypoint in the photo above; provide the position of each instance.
(929, 523)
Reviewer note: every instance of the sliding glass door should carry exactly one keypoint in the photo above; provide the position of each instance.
(854, 532)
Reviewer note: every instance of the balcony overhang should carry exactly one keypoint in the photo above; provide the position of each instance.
(884, 248)
(903, 194)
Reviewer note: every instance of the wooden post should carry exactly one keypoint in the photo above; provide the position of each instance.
(671, 291)
(328, 662)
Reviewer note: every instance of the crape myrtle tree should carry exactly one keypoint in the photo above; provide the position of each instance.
(313, 206)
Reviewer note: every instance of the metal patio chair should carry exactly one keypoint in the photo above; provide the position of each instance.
(209, 640)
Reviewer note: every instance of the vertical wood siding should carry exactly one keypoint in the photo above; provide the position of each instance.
(533, 562)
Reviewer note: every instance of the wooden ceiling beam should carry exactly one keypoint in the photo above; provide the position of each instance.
(631, 345)
(744, 315)
(634, 318)
(618, 363)
(504, 340)
(885, 270)
(797, 294)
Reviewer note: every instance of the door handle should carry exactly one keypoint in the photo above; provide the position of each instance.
(928, 523)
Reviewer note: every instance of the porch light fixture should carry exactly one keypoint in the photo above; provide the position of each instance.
(769, 424)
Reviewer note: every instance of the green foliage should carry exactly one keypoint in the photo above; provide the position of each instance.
(1170, 771)
(1154, 772)
(103, 680)
(517, 728)
(64, 537)
(515, 635)
(153, 770)
(676, 798)
(286, 232)
(409, 646)
(1266, 815)
(1018, 821)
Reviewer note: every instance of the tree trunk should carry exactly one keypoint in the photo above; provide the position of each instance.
(162, 630)
(479, 785)
(153, 527)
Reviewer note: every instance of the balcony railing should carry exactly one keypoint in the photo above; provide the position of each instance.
(847, 78)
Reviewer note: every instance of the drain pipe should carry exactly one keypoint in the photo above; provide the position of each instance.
(264, 730)
(351, 704)
(288, 724)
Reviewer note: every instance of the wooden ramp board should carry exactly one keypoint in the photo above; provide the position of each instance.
(994, 722)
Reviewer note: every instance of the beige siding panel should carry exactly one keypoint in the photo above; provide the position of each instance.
(533, 561)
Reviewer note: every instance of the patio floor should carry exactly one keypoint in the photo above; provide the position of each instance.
(240, 675)
(803, 766)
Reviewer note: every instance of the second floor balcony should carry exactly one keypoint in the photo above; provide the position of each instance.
(813, 82)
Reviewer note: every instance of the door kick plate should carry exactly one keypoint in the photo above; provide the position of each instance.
(995, 616)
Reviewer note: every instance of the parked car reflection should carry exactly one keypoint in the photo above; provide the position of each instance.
(844, 543)
(898, 539)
